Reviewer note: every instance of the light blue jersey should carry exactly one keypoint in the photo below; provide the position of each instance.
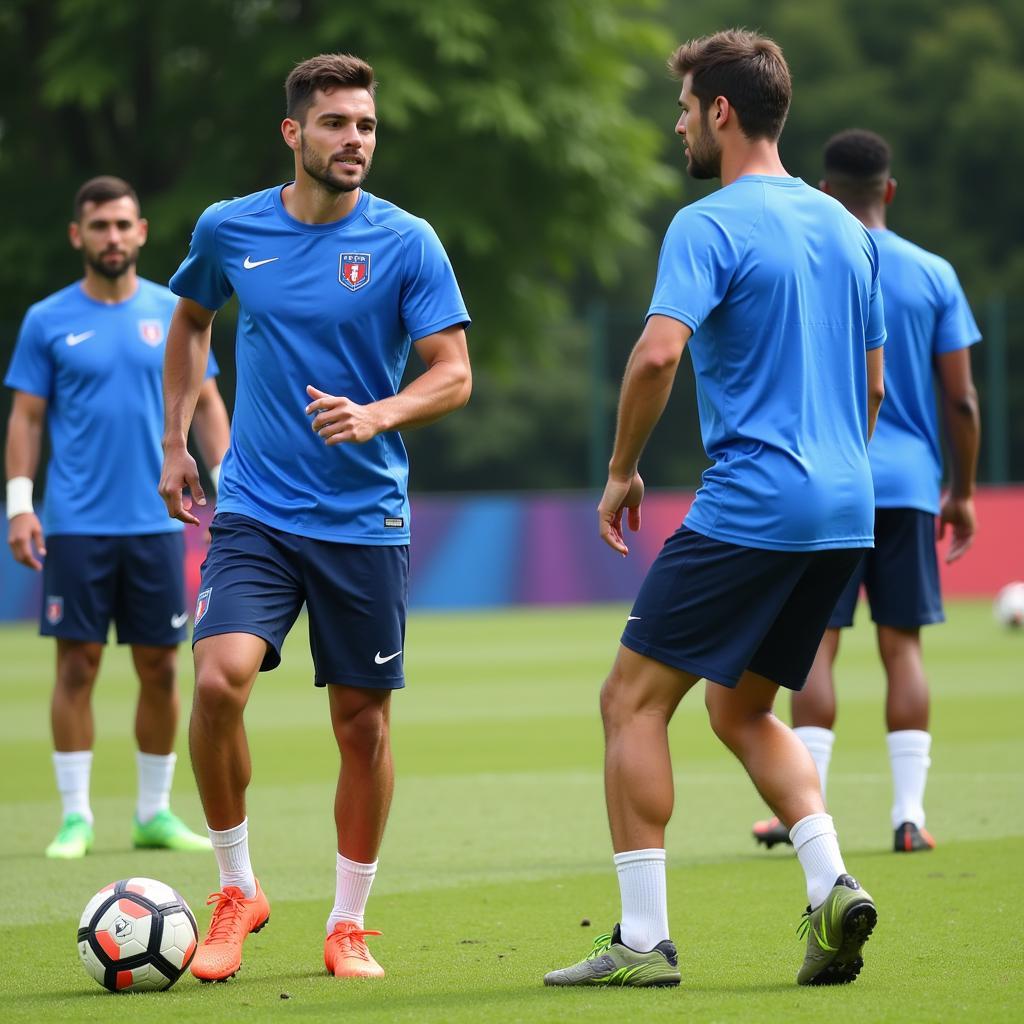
(100, 368)
(780, 287)
(333, 305)
(926, 315)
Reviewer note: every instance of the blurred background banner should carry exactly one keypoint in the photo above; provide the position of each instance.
(487, 551)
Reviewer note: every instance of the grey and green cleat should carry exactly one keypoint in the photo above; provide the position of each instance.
(166, 831)
(611, 962)
(836, 932)
(74, 839)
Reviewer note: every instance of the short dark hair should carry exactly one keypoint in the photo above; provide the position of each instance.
(749, 70)
(325, 71)
(102, 190)
(858, 155)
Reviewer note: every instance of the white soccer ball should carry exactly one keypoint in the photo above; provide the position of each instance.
(137, 935)
(1009, 605)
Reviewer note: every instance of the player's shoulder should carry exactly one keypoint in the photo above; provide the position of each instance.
(896, 247)
(156, 294)
(240, 206)
(56, 304)
(387, 216)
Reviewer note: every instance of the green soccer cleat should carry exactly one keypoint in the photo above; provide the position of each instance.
(166, 831)
(836, 932)
(74, 839)
(612, 963)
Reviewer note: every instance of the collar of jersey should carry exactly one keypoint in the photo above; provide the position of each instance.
(318, 229)
(123, 304)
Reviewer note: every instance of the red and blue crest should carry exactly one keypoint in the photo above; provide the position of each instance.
(151, 332)
(203, 603)
(354, 270)
(54, 609)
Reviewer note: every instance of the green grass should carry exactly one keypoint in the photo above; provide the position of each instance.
(497, 847)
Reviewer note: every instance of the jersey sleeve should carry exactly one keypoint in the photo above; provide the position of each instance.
(31, 369)
(955, 327)
(201, 277)
(430, 299)
(874, 331)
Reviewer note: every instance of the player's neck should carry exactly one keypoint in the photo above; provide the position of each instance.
(110, 290)
(309, 202)
(872, 217)
(758, 157)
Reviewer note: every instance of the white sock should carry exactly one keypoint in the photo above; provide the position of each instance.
(644, 903)
(231, 848)
(351, 891)
(817, 847)
(156, 772)
(819, 742)
(72, 769)
(908, 754)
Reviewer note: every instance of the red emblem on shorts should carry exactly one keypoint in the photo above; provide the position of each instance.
(54, 609)
(203, 603)
(151, 332)
(354, 270)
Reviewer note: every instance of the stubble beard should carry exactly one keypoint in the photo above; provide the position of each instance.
(112, 271)
(705, 160)
(319, 171)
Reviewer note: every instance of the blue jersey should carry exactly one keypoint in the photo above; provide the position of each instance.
(926, 315)
(780, 287)
(333, 305)
(100, 368)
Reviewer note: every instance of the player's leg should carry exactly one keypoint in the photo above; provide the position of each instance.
(905, 595)
(840, 914)
(78, 586)
(356, 596)
(249, 597)
(151, 617)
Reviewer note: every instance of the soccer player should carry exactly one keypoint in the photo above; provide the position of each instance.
(88, 364)
(931, 331)
(334, 286)
(773, 286)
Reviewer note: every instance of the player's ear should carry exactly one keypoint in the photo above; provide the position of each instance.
(890, 190)
(75, 235)
(823, 185)
(291, 130)
(143, 230)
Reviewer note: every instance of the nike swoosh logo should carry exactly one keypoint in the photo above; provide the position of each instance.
(177, 621)
(251, 264)
(383, 661)
(77, 339)
(631, 618)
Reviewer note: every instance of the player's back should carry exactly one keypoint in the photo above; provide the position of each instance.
(926, 315)
(789, 300)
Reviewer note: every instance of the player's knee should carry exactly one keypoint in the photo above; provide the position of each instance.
(217, 693)
(77, 667)
(363, 733)
(158, 671)
(614, 705)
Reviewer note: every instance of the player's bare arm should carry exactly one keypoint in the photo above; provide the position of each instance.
(650, 374)
(211, 424)
(185, 358)
(24, 442)
(876, 386)
(444, 387)
(963, 430)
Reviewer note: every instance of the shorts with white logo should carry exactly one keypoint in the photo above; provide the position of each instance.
(256, 578)
(900, 574)
(717, 610)
(138, 581)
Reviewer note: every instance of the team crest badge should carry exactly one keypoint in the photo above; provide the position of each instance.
(151, 332)
(54, 609)
(203, 603)
(354, 270)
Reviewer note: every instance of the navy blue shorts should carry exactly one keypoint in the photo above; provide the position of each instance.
(137, 581)
(256, 578)
(900, 574)
(717, 610)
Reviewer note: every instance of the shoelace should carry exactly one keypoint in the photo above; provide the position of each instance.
(601, 945)
(226, 915)
(355, 939)
(804, 925)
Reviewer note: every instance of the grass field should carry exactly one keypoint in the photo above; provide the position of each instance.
(497, 848)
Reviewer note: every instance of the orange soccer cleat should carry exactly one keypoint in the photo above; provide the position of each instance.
(346, 955)
(220, 954)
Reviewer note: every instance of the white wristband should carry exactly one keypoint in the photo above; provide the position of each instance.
(19, 496)
(215, 476)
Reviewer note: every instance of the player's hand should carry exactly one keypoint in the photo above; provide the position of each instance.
(25, 536)
(180, 471)
(957, 513)
(338, 420)
(620, 495)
